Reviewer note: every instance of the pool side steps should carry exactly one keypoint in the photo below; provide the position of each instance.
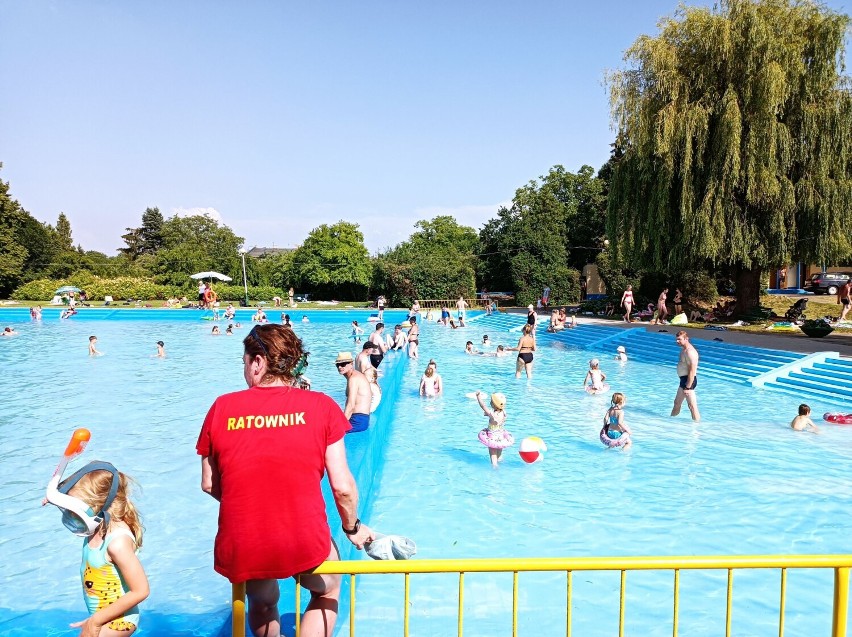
(794, 366)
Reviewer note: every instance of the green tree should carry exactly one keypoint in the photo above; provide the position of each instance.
(436, 262)
(734, 126)
(147, 239)
(63, 233)
(333, 262)
(194, 244)
(151, 232)
(27, 246)
(583, 199)
(525, 248)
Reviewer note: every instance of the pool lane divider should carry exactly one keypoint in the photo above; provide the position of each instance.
(365, 453)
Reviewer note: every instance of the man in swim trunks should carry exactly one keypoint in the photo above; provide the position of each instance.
(379, 345)
(687, 369)
(461, 304)
(358, 393)
(844, 297)
(362, 362)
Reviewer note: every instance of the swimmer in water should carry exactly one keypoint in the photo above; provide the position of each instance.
(161, 349)
(594, 380)
(93, 350)
(803, 421)
(215, 331)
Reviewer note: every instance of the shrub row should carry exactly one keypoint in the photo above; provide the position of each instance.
(97, 288)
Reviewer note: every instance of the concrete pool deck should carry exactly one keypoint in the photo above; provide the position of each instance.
(790, 341)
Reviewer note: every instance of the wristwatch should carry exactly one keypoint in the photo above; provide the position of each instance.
(354, 529)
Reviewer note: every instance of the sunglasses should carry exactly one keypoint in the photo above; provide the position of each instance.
(340, 365)
(259, 340)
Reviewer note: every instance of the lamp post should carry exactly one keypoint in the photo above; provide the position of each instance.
(245, 281)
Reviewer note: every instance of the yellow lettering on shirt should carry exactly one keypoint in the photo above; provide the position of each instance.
(260, 421)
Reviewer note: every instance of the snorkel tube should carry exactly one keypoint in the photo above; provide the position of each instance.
(78, 442)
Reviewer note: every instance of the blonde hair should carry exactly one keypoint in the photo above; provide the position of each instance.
(93, 488)
(619, 399)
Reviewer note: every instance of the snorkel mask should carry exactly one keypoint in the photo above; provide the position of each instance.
(77, 516)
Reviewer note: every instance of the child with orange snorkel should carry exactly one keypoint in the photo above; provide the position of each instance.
(95, 504)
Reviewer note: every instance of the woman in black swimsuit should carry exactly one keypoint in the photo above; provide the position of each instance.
(525, 349)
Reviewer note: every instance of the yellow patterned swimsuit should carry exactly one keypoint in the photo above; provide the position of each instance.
(103, 584)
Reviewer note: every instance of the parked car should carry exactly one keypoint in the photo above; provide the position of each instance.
(827, 282)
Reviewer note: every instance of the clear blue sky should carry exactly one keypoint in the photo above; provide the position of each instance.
(281, 116)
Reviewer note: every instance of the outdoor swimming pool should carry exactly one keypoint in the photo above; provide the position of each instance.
(741, 482)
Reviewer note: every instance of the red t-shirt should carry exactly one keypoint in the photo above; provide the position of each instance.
(269, 445)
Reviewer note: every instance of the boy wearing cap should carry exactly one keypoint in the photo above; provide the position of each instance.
(622, 353)
(358, 393)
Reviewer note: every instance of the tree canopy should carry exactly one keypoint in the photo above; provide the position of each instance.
(194, 244)
(551, 230)
(735, 125)
(436, 262)
(334, 262)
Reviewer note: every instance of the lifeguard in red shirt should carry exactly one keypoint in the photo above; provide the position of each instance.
(264, 452)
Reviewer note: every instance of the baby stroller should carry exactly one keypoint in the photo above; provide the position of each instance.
(795, 313)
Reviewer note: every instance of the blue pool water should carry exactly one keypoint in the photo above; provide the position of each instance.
(740, 482)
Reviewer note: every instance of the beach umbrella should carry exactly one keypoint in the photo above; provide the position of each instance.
(67, 288)
(210, 275)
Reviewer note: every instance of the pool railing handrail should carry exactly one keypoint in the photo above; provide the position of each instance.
(840, 564)
(430, 304)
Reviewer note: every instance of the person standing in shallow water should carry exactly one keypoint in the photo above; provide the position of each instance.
(687, 370)
(277, 531)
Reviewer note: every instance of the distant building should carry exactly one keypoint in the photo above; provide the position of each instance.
(257, 252)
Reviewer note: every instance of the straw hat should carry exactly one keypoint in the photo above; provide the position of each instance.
(343, 357)
(498, 400)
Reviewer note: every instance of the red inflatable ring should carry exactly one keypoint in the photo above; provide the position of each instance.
(838, 419)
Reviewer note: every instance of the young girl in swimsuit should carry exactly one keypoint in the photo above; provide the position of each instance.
(430, 382)
(615, 432)
(356, 332)
(114, 582)
(594, 380)
(495, 436)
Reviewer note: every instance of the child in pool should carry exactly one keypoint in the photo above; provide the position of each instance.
(356, 332)
(594, 380)
(495, 436)
(431, 383)
(803, 421)
(614, 427)
(621, 354)
(93, 346)
(114, 582)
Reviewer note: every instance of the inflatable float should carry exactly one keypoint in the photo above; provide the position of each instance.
(838, 419)
(620, 441)
(496, 438)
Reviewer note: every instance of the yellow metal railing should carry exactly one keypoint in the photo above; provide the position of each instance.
(840, 564)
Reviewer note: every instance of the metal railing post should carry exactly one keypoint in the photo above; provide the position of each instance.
(841, 601)
(238, 609)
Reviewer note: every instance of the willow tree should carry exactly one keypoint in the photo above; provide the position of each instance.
(736, 129)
